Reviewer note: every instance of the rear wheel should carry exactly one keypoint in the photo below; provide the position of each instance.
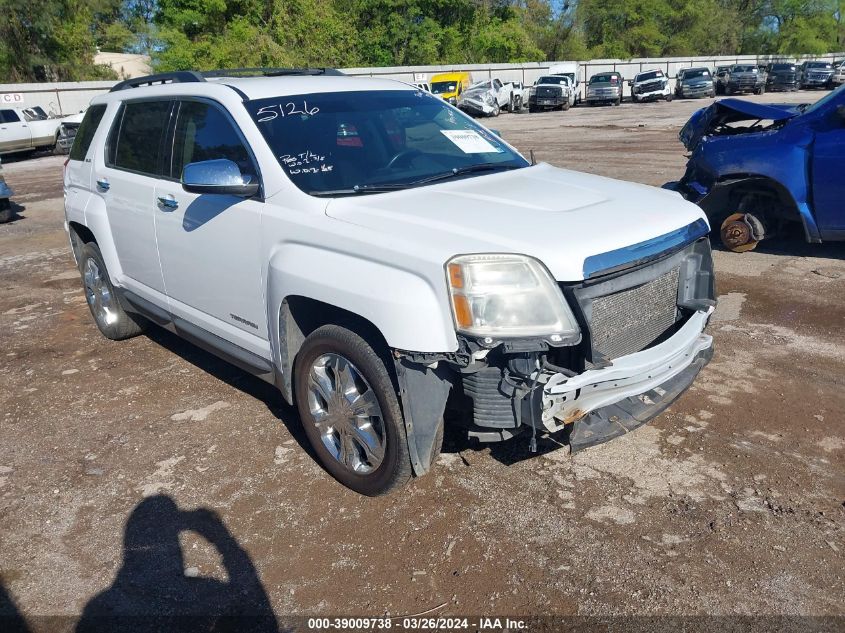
(111, 319)
(669, 97)
(350, 411)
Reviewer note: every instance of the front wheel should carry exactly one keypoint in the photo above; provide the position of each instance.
(669, 97)
(350, 411)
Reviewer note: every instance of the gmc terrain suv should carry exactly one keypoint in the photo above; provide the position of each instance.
(387, 262)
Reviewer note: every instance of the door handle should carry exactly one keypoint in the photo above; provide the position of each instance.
(168, 203)
(103, 184)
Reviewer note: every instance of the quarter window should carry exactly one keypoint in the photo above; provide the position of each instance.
(86, 132)
(203, 132)
(138, 141)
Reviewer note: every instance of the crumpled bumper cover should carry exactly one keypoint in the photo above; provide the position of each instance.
(476, 107)
(607, 402)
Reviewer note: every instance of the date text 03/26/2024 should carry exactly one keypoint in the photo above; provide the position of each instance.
(416, 624)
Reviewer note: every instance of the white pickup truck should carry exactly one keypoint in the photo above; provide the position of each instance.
(25, 129)
(488, 98)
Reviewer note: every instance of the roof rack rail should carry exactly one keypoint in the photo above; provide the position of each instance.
(269, 72)
(182, 76)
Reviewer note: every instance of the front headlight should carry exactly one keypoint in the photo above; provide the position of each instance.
(506, 296)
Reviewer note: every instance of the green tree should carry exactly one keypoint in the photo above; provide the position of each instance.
(51, 40)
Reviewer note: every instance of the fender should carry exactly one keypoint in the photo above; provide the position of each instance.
(97, 221)
(403, 306)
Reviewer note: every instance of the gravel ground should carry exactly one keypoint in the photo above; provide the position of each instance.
(148, 473)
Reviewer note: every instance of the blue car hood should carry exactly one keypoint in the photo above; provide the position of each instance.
(709, 120)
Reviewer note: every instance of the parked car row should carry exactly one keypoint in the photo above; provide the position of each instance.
(559, 89)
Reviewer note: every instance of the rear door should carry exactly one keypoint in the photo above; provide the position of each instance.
(828, 183)
(209, 243)
(126, 181)
(14, 132)
(78, 184)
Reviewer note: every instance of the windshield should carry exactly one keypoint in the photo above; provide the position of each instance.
(602, 79)
(783, 67)
(655, 74)
(440, 87)
(350, 142)
(695, 73)
(819, 65)
(745, 69)
(553, 80)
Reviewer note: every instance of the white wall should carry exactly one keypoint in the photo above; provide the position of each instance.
(69, 98)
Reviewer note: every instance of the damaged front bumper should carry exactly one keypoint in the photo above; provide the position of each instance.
(477, 107)
(607, 402)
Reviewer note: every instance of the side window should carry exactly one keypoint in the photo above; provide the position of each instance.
(87, 129)
(136, 145)
(203, 132)
(9, 116)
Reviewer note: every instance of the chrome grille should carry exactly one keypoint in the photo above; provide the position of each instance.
(628, 321)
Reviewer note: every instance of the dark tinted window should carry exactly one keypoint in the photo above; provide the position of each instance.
(9, 116)
(783, 66)
(204, 133)
(86, 132)
(136, 146)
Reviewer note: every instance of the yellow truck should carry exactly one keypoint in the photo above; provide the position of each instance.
(450, 85)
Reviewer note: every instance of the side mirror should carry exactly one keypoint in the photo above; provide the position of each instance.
(220, 176)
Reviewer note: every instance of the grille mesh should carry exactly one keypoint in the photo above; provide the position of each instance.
(626, 322)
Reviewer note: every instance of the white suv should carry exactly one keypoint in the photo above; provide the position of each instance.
(386, 262)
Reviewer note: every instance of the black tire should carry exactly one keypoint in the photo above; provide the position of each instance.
(119, 324)
(669, 98)
(531, 109)
(394, 470)
(565, 106)
(6, 212)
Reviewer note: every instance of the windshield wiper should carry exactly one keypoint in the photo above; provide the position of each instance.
(383, 188)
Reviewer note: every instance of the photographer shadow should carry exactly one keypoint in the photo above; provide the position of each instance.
(152, 593)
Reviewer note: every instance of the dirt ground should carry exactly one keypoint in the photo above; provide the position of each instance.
(149, 473)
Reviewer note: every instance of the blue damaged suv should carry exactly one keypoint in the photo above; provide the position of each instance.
(759, 170)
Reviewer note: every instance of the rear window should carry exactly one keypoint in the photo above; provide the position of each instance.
(87, 129)
(9, 116)
(135, 146)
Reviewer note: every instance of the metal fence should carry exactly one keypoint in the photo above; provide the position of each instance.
(71, 97)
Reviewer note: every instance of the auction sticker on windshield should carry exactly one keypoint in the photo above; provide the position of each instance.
(470, 142)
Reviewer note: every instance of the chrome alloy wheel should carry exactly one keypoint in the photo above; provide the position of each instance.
(99, 294)
(346, 412)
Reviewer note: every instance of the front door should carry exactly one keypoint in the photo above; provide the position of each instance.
(209, 244)
(14, 132)
(829, 177)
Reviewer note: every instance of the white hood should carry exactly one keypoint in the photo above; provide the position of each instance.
(559, 216)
